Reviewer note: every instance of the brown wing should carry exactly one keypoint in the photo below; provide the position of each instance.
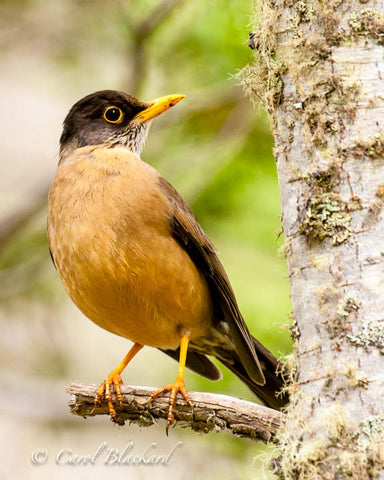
(189, 234)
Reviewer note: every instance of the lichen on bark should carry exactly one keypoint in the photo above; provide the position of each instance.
(319, 71)
(325, 216)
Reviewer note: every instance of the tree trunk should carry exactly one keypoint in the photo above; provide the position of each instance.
(319, 70)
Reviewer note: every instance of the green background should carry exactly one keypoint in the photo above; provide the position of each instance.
(215, 147)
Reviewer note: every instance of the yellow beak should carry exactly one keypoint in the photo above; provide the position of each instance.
(158, 106)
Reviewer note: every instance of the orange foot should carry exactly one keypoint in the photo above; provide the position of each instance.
(113, 379)
(177, 387)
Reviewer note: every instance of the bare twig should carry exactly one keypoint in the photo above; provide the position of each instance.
(33, 201)
(139, 35)
(156, 17)
(152, 21)
(210, 412)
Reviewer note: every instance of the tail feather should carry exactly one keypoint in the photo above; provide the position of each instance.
(272, 393)
(198, 362)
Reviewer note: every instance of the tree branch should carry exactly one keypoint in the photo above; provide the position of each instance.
(210, 412)
(139, 33)
(157, 16)
(16, 219)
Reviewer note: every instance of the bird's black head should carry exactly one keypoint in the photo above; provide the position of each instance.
(111, 118)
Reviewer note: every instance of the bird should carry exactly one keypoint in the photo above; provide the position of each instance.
(134, 259)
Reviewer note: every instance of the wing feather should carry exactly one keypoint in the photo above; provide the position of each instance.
(187, 231)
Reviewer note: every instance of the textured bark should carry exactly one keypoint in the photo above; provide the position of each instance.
(210, 412)
(319, 70)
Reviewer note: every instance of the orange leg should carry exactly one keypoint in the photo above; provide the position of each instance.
(178, 386)
(114, 379)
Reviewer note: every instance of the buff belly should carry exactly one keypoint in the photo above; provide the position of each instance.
(117, 258)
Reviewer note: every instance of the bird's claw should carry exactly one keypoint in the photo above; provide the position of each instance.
(177, 387)
(113, 379)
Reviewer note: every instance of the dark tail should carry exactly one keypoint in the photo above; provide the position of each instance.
(272, 393)
(273, 370)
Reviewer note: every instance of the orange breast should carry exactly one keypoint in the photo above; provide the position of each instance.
(108, 230)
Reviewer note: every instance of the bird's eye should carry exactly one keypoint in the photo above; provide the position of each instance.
(113, 114)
